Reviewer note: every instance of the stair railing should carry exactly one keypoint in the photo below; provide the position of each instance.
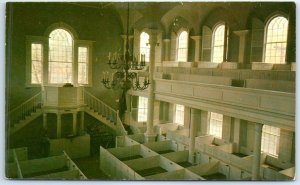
(25, 109)
(105, 110)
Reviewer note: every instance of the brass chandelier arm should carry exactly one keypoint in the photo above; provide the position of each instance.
(123, 78)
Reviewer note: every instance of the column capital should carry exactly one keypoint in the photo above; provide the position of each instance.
(196, 37)
(241, 33)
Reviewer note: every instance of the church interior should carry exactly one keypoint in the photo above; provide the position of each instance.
(150, 91)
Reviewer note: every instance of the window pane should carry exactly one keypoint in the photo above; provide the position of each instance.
(142, 109)
(276, 40)
(216, 122)
(270, 140)
(36, 63)
(182, 46)
(82, 65)
(144, 48)
(60, 56)
(218, 44)
(179, 114)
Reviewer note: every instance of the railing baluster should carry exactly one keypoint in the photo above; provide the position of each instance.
(25, 109)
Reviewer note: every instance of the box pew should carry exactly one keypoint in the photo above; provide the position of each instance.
(155, 165)
(165, 127)
(182, 174)
(139, 138)
(205, 169)
(179, 157)
(116, 169)
(22, 154)
(162, 147)
(124, 140)
(131, 152)
(66, 175)
(38, 167)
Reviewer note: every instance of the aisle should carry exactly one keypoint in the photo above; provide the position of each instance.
(90, 167)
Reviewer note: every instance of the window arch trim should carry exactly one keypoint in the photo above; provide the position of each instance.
(61, 25)
(146, 48)
(178, 33)
(214, 29)
(268, 20)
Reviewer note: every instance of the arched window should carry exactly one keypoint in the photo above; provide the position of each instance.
(144, 46)
(60, 56)
(276, 40)
(218, 43)
(182, 46)
(63, 60)
(270, 140)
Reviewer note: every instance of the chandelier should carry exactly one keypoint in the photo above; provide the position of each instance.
(126, 66)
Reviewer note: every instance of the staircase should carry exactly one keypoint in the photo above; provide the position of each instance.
(22, 115)
(104, 113)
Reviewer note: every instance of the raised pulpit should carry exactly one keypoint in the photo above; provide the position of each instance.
(63, 100)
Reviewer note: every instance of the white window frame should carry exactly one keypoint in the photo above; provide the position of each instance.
(266, 36)
(179, 119)
(142, 109)
(177, 45)
(270, 139)
(89, 45)
(72, 62)
(213, 41)
(29, 41)
(147, 56)
(214, 124)
(44, 41)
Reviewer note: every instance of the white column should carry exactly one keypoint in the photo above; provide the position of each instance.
(167, 49)
(204, 123)
(81, 123)
(58, 126)
(195, 118)
(128, 109)
(197, 40)
(257, 152)
(242, 44)
(75, 123)
(150, 136)
(226, 131)
(187, 117)
(236, 134)
(156, 112)
(45, 121)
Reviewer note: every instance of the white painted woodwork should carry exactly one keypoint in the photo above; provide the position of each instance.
(63, 97)
(268, 107)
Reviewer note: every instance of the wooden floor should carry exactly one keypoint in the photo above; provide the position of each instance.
(90, 168)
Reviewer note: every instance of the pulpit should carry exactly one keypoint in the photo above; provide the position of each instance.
(63, 100)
